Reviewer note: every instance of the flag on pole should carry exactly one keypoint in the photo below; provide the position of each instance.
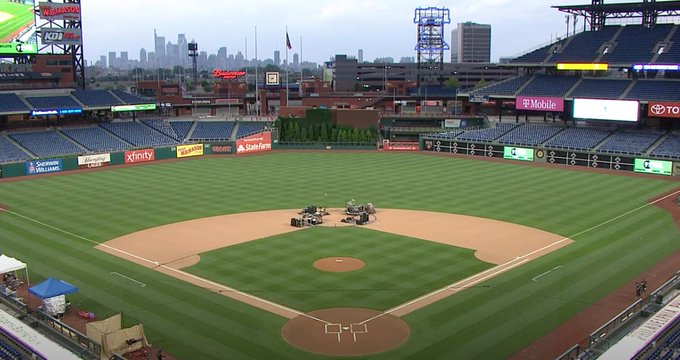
(288, 45)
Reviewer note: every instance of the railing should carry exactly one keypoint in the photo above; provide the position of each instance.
(69, 337)
(326, 145)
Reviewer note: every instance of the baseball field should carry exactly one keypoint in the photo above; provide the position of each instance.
(14, 17)
(202, 253)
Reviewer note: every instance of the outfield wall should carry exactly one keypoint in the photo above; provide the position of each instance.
(576, 158)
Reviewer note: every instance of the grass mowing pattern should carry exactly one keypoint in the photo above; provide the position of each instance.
(280, 268)
(483, 322)
(21, 15)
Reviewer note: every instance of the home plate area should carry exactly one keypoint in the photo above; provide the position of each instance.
(346, 331)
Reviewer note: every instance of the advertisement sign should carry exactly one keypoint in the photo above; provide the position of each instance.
(658, 167)
(138, 107)
(663, 109)
(537, 103)
(400, 146)
(516, 153)
(272, 79)
(17, 28)
(93, 161)
(583, 66)
(43, 166)
(170, 89)
(139, 156)
(184, 151)
(62, 36)
(228, 75)
(39, 112)
(452, 123)
(479, 98)
(254, 143)
(59, 11)
(614, 110)
(221, 149)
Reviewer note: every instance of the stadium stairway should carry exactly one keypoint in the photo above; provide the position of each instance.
(524, 85)
(667, 41)
(611, 44)
(117, 97)
(571, 89)
(190, 133)
(85, 150)
(555, 50)
(655, 144)
(117, 137)
(234, 131)
(29, 154)
(628, 89)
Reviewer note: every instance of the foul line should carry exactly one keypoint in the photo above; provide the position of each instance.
(546, 273)
(141, 284)
(285, 308)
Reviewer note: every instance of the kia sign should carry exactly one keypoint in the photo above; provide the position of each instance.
(254, 143)
(43, 166)
(663, 109)
(536, 103)
(61, 36)
(139, 156)
(59, 11)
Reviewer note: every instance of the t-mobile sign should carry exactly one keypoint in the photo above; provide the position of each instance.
(536, 103)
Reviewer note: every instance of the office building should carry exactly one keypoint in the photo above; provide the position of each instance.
(471, 43)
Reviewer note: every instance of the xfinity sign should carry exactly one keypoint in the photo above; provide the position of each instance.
(663, 109)
(536, 103)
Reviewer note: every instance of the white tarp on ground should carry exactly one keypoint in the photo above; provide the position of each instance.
(38, 342)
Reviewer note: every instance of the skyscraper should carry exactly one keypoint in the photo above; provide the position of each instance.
(183, 45)
(277, 58)
(159, 48)
(471, 43)
(221, 58)
(112, 59)
(360, 56)
(142, 57)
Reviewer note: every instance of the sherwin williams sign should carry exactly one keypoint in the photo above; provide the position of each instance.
(537, 103)
(254, 143)
(189, 150)
(43, 166)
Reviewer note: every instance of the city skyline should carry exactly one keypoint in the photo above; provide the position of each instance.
(324, 28)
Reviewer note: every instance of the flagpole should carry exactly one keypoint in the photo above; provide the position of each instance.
(287, 66)
(257, 107)
(300, 65)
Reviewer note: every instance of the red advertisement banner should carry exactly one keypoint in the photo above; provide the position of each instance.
(663, 109)
(254, 143)
(139, 156)
(537, 103)
(400, 146)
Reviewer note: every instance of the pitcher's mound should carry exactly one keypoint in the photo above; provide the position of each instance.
(339, 264)
(346, 332)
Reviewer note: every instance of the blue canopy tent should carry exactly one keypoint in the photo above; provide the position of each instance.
(52, 287)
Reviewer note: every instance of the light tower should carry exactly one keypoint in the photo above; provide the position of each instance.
(431, 45)
(193, 54)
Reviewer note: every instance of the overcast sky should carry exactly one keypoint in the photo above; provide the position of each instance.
(327, 27)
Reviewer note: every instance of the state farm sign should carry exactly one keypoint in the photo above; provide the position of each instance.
(663, 109)
(254, 143)
(138, 156)
(536, 103)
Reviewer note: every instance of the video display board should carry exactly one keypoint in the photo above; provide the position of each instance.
(612, 110)
(138, 107)
(658, 167)
(18, 34)
(517, 153)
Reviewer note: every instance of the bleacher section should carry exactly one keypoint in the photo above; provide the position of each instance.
(635, 44)
(507, 87)
(53, 102)
(489, 134)
(12, 103)
(578, 138)
(129, 98)
(138, 134)
(543, 85)
(536, 56)
(668, 90)
(448, 135)
(669, 148)
(529, 135)
(248, 128)
(95, 139)
(164, 127)
(672, 54)
(96, 98)
(46, 143)
(213, 130)
(584, 46)
(629, 143)
(600, 88)
(182, 128)
(10, 152)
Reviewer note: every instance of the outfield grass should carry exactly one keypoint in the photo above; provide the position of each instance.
(279, 268)
(21, 15)
(489, 322)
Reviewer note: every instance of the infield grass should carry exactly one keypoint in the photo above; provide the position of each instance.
(487, 322)
(280, 268)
